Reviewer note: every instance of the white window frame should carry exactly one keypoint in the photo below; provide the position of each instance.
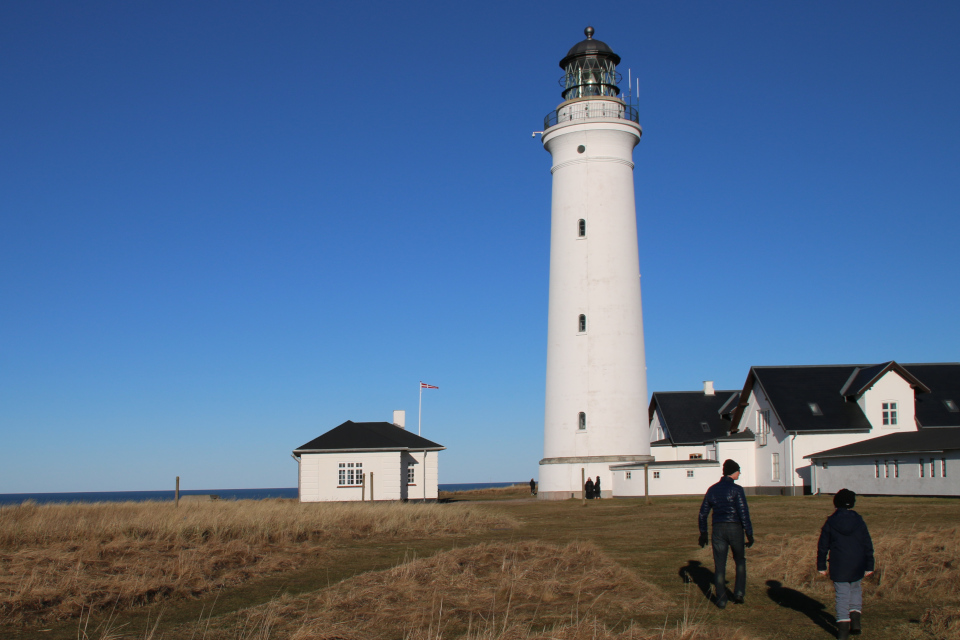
(763, 426)
(411, 474)
(350, 474)
(689, 473)
(656, 475)
(775, 467)
(889, 413)
(627, 475)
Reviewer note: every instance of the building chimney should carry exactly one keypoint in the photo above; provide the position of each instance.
(708, 387)
(399, 418)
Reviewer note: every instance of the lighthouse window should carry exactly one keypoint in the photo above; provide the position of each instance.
(582, 228)
(583, 323)
(582, 421)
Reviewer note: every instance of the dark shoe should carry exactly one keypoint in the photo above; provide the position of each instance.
(854, 623)
(737, 599)
(722, 600)
(843, 630)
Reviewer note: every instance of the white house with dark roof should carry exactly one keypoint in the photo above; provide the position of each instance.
(689, 438)
(803, 429)
(359, 461)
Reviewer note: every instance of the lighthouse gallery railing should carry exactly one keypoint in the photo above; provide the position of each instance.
(591, 109)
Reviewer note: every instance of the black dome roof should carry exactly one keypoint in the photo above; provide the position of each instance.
(589, 47)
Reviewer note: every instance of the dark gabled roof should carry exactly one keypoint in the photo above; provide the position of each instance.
(863, 378)
(746, 434)
(909, 442)
(944, 382)
(355, 436)
(791, 390)
(682, 414)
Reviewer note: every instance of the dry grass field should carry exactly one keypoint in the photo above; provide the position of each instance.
(496, 566)
(59, 560)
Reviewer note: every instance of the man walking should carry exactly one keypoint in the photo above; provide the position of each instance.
(731, 520)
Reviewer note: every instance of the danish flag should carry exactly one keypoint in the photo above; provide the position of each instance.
(424, 385)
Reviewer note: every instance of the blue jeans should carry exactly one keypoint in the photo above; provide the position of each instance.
(849, 598)
(728, 535)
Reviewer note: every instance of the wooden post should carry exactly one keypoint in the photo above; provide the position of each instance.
(646, 483)
(371, 486)
(363, 487)
(176, 494)
(583, 486)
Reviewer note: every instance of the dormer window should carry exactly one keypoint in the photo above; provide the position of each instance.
(951, 406)
(889, 414)
(705, 427)
(815, 408)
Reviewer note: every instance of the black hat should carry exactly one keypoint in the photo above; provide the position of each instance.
(730, 467)
(845, 499)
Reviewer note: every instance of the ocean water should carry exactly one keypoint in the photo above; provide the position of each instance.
(225, 494)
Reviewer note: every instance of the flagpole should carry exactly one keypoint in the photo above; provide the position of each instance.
(420, 408)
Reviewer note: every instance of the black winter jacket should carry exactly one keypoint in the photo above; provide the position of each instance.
(845, 539)
(729, 504)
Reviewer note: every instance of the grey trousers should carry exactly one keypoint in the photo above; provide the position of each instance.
(849, 598)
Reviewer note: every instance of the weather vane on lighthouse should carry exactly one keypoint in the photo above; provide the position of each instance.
(596, 389)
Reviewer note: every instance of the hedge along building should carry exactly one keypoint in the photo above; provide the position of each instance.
(358, 461)
(596, 386)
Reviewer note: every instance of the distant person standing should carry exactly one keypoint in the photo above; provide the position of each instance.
(845, 542)
(588, 489)
(533, 487)
(596, 488)
(731, 520)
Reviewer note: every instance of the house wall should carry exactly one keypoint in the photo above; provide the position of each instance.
(762, 479)
(679, 452)
(657, 432)
(673, 480)
(889, 387)
(319, 476)
(420, 490)
(743, 452)
(860, 475)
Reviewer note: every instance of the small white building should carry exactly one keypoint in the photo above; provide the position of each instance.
(368, 461)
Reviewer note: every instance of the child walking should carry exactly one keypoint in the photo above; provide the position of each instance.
(844, 539)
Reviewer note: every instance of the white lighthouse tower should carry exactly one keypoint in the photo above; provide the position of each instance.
(596, 399)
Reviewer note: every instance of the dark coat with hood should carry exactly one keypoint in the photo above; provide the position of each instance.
(846, 540)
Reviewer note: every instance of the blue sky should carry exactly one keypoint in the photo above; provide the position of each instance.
(226, 227)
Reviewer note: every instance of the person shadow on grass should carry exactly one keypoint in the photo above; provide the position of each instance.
(798, 601)
(697, 573)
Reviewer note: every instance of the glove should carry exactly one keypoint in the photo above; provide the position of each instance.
(749, 540)
(703, 540)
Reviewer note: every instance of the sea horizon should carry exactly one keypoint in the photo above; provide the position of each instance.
(169, 494)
